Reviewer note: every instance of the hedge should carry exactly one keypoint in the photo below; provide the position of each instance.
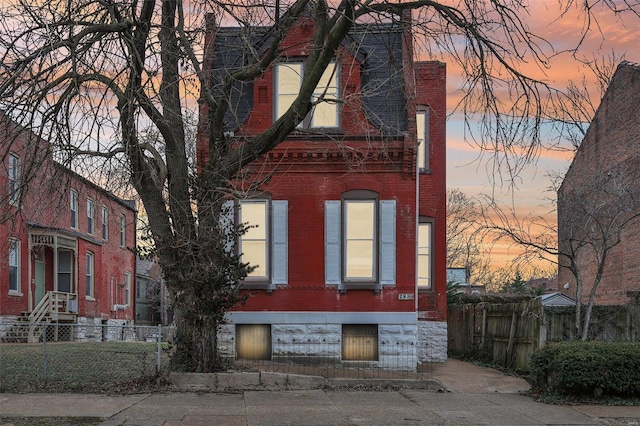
(581, 368)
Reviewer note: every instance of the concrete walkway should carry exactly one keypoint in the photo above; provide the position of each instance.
(474, 395)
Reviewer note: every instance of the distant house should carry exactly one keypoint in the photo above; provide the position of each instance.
(460, 277)
(152, 302)
(350, 243)
(66, 244)
(543, 285)
(609, 157)
(556, 299)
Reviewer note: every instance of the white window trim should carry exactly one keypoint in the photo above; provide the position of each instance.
(91, 216)
(267, 238)
(73, 206)
(105, 223)
(90, 273)
(14, 180)
(422, 222)
(423, 160)
(15, 244)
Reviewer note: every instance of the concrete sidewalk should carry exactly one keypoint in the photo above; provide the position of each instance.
(475, 395)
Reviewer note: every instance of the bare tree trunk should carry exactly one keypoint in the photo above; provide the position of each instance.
(578, 322)
(196, 343)
(589, 309)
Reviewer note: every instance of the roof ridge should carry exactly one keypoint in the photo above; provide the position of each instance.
(629, 64)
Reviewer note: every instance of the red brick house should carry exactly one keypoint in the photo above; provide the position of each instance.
(606, 167)
(350, 237)
(65, 243)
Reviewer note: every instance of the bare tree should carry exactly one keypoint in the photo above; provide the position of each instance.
(114, 81)
(470, 245)
(574, 107)
(592, 218)
(465, 248)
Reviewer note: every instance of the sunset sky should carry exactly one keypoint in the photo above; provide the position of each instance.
(470, 170)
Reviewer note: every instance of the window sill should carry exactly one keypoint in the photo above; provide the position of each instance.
(346, 286)
(90, 299)
(257, 285)
(426, 171)
(15, 293)
(319, 132)
(425, 290)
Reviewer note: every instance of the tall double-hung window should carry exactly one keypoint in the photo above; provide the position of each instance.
(360, 241)
(123, 230)
(14, 265)
(14, 180)
(65, 271)
(422, 137)
(105, 223)
(89, 273)
(73, 207)
(425, 254)
(90, 216)
(127, 288)
(288, 80)
(254, 242)
(264, 245)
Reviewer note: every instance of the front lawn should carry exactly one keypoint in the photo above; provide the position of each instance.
(78, 367)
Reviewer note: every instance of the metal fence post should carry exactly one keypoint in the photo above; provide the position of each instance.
(159, 354)
(44, 352)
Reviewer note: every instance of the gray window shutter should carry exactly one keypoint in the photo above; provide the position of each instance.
(332, 243)
(387, 255)
(279, 241)
(227, 220)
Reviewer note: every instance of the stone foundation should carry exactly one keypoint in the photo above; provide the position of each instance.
(295, 341)
(432, 338)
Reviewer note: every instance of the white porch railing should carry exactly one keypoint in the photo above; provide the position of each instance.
(54, 304)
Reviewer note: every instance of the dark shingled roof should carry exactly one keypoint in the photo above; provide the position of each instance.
(377, 46)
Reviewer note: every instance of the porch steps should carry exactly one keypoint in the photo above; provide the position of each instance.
(23, 331)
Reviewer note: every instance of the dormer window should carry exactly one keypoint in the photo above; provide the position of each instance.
(288, 80)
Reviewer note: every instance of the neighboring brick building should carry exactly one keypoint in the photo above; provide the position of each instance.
(354, 204)
(609, 157)
(63, 239)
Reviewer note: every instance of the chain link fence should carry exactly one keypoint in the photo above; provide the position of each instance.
(124, 358)
(78, 357)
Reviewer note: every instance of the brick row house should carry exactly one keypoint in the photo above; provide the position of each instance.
(65, 243)
(600, 190)
(349, 236)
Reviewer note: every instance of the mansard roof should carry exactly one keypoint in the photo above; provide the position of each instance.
(378, 48)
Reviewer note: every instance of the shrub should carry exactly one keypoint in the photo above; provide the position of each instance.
(582, 368)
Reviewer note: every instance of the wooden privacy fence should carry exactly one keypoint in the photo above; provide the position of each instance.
(502, 333)
(507, 333)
